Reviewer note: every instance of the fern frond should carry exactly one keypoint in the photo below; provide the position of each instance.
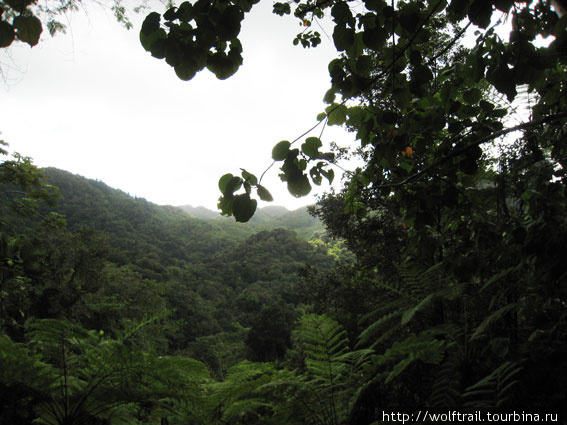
(424, 347)
(494, 390)
(425, 303)
(491, 319)
(20, 367)
(445, 391)
(389, 321)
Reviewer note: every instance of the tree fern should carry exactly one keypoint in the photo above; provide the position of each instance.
(19, 366)
(321, 393)
(96, 375)
(330, 368)
(424, 347)
(417, 293)
(251, 390)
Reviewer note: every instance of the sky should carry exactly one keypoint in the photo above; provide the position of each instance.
(95, 103)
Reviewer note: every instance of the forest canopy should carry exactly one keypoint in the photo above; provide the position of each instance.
(449, 289)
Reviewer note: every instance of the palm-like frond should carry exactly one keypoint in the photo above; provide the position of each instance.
(495, 390)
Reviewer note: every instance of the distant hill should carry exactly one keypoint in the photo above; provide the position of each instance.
(270, 217)
(140, 229)
(200, 212)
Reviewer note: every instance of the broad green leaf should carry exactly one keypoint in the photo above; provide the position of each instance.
(329, 96)
(472, 96)
(374, 38)
(170, 14)
(280, 151)
(221, 65)
(281, 9)
(225, 205)
(7, 34)
(457, 10)
(315, 174)
(329, 174)
(232, 186)
(480, 13)
(311, 147)
(224, 181)
(28, 29)
(502, 78)
(336, 114)
(264, 194)
(243, 207)
(422, 74)
(151, 31)
(298, 185)
(185, 11)
(341, 13)
(357, 47)
(185, 70)
(249, 177)
(151, 24)
(486, 106)
(229, 24)
(375, 5)
(415, 58)
(343, 37)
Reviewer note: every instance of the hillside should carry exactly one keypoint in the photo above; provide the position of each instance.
(122, 259)
(138, 227)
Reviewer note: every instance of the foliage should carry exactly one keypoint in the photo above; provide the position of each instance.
(439, 132)
(455, 227)
(455, 298)
(25, 20)
(196, 284)
(319, 391)
(79, 376)
(23, 188)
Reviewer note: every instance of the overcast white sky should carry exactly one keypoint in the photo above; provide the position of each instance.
(93, 102)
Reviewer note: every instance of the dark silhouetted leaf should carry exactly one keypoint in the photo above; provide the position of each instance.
(264, 194)
(298, 185)
(28, 29)
(249, 177)
(279, 152)
(311, 147)
(343, 37)
(223, 182)
(243, 208)
(7, 34)
(480, 13)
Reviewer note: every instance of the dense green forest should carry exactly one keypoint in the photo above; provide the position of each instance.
(204, 291)
(437, 286)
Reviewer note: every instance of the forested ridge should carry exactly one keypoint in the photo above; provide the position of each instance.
(439, 282)
(112, 264)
